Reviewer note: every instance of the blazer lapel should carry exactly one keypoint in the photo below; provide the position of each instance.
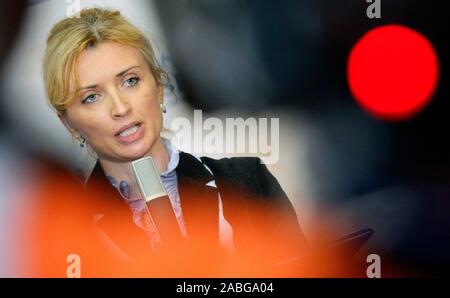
(199, 202)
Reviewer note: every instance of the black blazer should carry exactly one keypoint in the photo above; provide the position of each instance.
(254, 204)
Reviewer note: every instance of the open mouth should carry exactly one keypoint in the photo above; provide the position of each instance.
(130, 130)
(131, 134)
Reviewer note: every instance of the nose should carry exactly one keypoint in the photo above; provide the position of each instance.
(120, 106)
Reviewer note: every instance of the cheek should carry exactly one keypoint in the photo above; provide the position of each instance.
(150, 97)
(149, 104)
(93, 131)
(93, 128)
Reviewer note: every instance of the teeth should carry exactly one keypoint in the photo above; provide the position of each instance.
(129, 131)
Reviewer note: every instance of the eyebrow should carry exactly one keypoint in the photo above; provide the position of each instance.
(117, 76)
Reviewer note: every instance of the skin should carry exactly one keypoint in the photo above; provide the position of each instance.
(116, 89)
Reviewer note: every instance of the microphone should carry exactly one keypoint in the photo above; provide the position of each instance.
(157, 201)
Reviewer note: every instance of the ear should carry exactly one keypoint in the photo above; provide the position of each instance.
(68, 125)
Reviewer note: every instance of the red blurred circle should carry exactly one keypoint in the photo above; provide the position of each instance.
(392, 72)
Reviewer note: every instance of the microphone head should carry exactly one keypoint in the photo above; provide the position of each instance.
(148, 179)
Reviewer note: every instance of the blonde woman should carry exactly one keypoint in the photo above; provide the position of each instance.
(104, 83)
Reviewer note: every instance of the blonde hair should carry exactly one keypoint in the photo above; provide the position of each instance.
(69, 37)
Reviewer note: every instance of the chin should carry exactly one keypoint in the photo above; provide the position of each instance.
(135, 152)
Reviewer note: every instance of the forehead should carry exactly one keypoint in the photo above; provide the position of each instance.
(105, 60)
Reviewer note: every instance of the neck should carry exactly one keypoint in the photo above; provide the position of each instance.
(124, 171)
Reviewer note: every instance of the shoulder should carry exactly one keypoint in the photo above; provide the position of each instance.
(242, 166)
(248, 172)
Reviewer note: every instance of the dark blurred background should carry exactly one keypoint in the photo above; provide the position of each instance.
(392, 176)
(293, 53)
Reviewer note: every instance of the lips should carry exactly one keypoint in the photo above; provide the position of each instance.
(130, 133)
(125, 127)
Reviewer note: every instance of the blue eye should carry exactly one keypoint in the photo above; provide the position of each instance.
(90, 99)
(131, 82)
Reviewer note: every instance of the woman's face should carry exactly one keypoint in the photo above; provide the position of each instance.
(117, 108)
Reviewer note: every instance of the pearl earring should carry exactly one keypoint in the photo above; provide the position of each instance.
(82, 141)
(163, 108)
